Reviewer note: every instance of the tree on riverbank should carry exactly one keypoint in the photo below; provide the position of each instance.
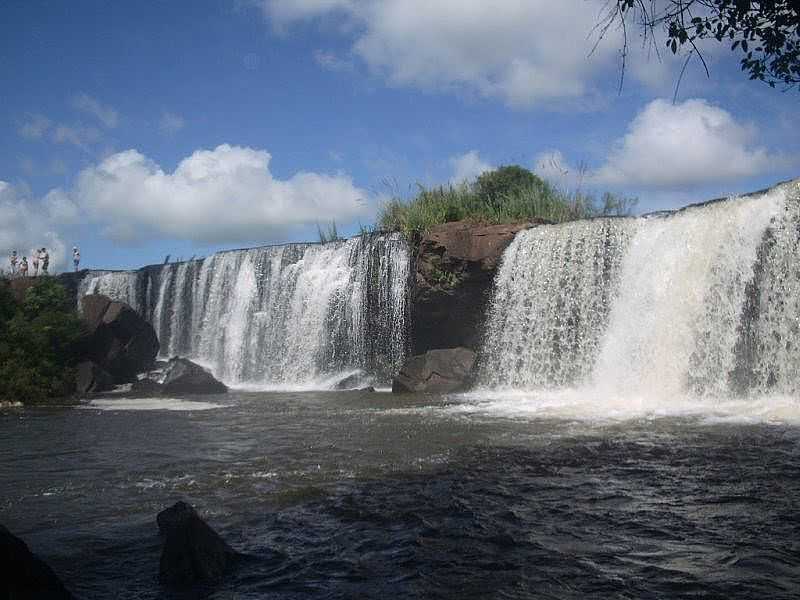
(38, 342)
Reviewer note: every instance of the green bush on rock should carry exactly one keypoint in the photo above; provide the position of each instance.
(38, 344)
(509, 194)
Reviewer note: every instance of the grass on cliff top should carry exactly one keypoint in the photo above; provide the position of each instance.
(507, 195)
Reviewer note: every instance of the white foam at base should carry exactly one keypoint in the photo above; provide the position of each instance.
(171, 404)
(589, 405)
(321, 384)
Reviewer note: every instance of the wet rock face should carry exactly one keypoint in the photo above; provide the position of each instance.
(119, 340)
(455, 267)
(193, 552)
(436, 371)
(25, 575)
(91, 378)
(182, 376)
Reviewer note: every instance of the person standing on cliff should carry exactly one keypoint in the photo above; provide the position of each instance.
(23, 267)
(13, 262)
(35, 263)
(45, 258)
(76, 257)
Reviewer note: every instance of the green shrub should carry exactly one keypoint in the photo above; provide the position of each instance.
(507, 195)
(37, 344)
(494, 186)
(45, 296)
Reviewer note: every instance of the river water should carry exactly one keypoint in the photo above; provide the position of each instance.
(364, 495)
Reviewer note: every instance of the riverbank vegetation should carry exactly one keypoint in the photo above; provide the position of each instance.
(509, 194)
(38, 343)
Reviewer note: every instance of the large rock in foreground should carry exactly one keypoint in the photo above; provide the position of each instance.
(119, 340)
(436, 371)
(455, 267)
(182, 376)
(26, 576)
(193, 552)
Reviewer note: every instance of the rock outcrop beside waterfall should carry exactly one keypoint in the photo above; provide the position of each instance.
(454, 270)
(179, 376)
(436, 371)
(118, 339)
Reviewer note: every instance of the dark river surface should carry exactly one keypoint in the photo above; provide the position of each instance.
(356, 495)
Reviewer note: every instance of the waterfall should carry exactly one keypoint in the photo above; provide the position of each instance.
(282, 316)
(704, 301)
(551, 303)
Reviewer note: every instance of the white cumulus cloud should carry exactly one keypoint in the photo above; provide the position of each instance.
(553, 167)
(224, 194)
(466, 167)
(24, 227)
(525, 53)
(690, 143)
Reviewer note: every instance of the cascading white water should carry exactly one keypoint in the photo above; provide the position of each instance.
(771, 334)
(119, 285)
(551, 302)
(701, 302)
(281, 316)
(675, 318)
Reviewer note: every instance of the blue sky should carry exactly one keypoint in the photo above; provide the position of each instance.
(137, 130)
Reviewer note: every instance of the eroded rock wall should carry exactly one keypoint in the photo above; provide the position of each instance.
(455, 265)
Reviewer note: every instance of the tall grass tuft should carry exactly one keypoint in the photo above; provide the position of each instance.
(541, 201)
(329, 234)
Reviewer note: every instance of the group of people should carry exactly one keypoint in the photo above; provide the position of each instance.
(40, 258)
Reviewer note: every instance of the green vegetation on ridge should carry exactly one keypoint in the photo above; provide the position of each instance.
(510, 194)
(38, 343)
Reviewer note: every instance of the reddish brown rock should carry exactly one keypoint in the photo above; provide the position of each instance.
(455, 267)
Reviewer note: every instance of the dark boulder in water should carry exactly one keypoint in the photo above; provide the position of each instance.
(146, 388)
(356, 381)
(26, 576)
(193, 552)
(182, 376)
(118, 338)
(91, 378)
(436, 371)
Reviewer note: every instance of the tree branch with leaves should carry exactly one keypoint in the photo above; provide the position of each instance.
(765, 33)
